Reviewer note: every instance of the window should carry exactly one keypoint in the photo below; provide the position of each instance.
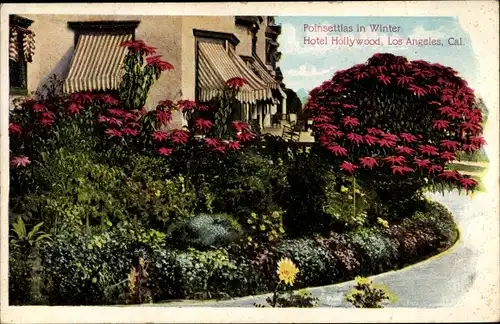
(98, 42)
(21, 50)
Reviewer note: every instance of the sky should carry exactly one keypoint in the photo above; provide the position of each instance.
(308, 65)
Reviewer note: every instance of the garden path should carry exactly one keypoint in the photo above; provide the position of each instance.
(442, 281)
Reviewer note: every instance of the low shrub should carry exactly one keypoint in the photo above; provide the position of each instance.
(212, 274)
(378, 252)
(264, 228)
(205, 231)
(316, 263)
(345, 254)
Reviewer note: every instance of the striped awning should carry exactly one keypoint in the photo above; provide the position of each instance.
(97, 63)
(216, 65)
(263, 73)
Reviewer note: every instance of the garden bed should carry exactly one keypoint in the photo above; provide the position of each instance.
(108, 207)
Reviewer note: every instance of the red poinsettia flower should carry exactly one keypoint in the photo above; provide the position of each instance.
(326, 127)
(395, 160)
(449, 144)
(236, 83)
(139, 46)
(20, 161)
(408, 138)
(108, 99)
(350, 121)
(386, 143)
(48, 118)
(240, 126)
(202, 107)
(179, 136)
(115, 121)
(38, 107)
(374, 131)
(245, 136)
(448, 156)
(359, 75)
(469, 147)
(468, 183)
(405, 150)
(471, 127)
(421, 163)
(113, 132)
(103, 119)
(212, 142)
(386, 80)
(448, 98)
(160, 136)
(390, 137)
(15, 129)
(401, 169)
(233, 145)
(165, 151)
(355, 138)
(428, 149)
(164, 117)
(440, 124)
(186, 105)
(158, 63)
(370, 139)
(417, 91)
(454, 114)
(349, 106)
(81, 97)
(348, 167)
(404, 80)
(130, 131)
(221, 148)
(435, 168)
(445, 110)
(368, 162)
(449, 174)
(435, 103)
(116, 112)
(164, 104)
(74, 108)
(321, 119)
(477, 141)
(337, 150)
(334, 133)
(203, 124)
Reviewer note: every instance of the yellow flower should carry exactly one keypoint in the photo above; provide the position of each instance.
(287, 271)
(383, 222)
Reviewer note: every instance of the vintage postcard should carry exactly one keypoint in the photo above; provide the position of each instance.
(223, 162)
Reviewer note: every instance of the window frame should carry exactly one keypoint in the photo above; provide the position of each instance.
(22, 23)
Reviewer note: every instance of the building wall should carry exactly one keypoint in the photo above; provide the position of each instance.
(171, 35)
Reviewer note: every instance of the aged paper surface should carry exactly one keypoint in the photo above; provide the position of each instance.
(315, 41)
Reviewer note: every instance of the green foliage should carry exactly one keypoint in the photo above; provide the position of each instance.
(300, 299)
(264, 228)
(367, 294)
(346, 206)
(438, 218)
(306, 178)
(205, 231)
(316, 263)
(248, 181)
(77, 192)
(211, 274)
(24, 238)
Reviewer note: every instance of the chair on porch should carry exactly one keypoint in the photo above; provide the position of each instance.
(276, 119)
(292, 132)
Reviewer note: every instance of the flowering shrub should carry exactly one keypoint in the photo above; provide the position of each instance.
(395, 124)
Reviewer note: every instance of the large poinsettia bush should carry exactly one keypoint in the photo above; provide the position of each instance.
(395, 124)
